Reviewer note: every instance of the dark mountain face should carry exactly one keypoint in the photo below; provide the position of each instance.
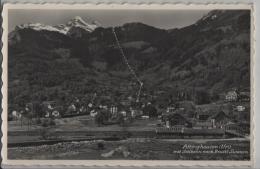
(212, 55)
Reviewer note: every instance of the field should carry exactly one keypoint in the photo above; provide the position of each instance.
(75, 128)
(80, 138)
(134, 149)
(84, 123)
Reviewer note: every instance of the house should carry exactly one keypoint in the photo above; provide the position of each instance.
(90, 105)
(135, 112)
(113, 109)
(202, 119)
(204, 112)
(209, 124)
(123, 113)
(231, 96)
(202, 116)
(51, 109)
(71, 108)
(103, 106)
(240, 108)
(170, 109)
(176, 119)
(16, 115)
(145, 117)
(82, 109)
(220, 119)
(93, 113)
(55, 113)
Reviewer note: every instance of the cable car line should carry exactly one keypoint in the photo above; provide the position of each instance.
(128, 65)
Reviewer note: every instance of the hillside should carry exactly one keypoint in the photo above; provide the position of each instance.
(78, 59)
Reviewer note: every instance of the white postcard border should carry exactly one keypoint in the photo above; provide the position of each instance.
(126, 163)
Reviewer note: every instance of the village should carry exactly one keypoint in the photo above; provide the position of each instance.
(225, 118)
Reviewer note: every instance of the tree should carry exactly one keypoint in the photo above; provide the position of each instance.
(102, 117)
(150, 110)
(202, 97)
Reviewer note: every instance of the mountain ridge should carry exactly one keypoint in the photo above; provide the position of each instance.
(210, 56)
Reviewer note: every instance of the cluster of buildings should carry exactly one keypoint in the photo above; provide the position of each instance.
(209, 124)
(126, 108)
(173, 116)
(235, 95)
(200, 120)
(231, 115)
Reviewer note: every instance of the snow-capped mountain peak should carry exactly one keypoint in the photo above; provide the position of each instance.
(40, 27)
(77, 22)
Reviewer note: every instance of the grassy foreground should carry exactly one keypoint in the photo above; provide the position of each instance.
(137, 149)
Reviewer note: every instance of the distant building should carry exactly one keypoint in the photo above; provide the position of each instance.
(72, 107)
(93, 113)
(113, 109)
(170, 109)
(82, 109)
(16, 115)
(231, 96)
(51, 109)
(145, 117)
(103, 107)
(123, 113)
(240, 108)
(135, 112)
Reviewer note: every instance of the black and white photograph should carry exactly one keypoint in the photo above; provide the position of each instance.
(129, 84)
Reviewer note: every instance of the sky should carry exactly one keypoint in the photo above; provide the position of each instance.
(165, 19)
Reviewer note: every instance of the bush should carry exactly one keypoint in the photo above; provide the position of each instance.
(202, 97)
(44, 134)
(45, 123)
(38, 121)
(52, 122)
(101, 146)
